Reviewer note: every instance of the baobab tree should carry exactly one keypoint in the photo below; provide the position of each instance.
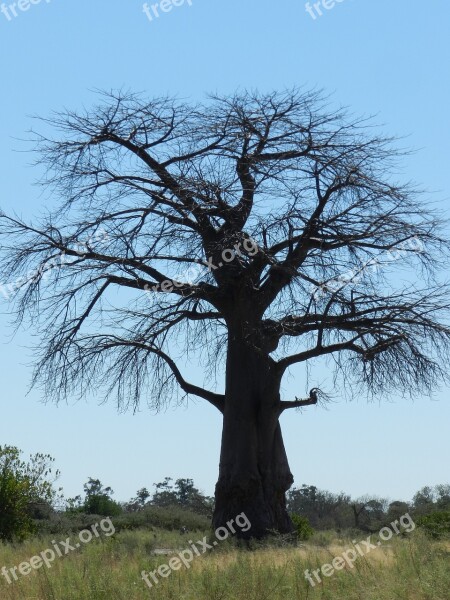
(291, 215)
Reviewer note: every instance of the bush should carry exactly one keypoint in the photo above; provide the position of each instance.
(26, 492)
(436, 524)
(100, 504)
(302, 527)
(169, 517)
(66, 523)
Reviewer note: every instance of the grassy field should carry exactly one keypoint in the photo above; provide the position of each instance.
(109, 568)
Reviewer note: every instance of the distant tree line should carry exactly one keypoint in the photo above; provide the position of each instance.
(30, 502)
(182, 493)
(325, 510)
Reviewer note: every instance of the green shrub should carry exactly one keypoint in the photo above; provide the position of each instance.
(100, 504)
(436, 524)
(302, 527)
(26, 492)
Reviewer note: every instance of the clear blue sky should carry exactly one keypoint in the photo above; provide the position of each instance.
(384, 57)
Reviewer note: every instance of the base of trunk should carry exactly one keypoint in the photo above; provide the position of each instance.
(263, 504)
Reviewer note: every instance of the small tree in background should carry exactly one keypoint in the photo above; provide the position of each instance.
(183, 494)
(142, 497)
(424, 500)
(443, 496)
(98, 500)
(26, 491)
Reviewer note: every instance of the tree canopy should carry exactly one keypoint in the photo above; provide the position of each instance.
(146, 190)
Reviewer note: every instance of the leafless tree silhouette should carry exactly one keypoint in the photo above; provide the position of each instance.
(290, 213)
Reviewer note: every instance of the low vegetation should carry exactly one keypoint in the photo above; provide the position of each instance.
(407, 568)
(148, 530)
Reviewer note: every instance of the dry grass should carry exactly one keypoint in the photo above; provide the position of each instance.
(410, 568)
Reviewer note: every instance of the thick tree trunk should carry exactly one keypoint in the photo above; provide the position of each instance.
(254, 472)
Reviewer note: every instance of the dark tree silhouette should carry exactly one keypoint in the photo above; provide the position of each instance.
(291, 215)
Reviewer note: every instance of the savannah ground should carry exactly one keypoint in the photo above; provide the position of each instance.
(408, 567)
